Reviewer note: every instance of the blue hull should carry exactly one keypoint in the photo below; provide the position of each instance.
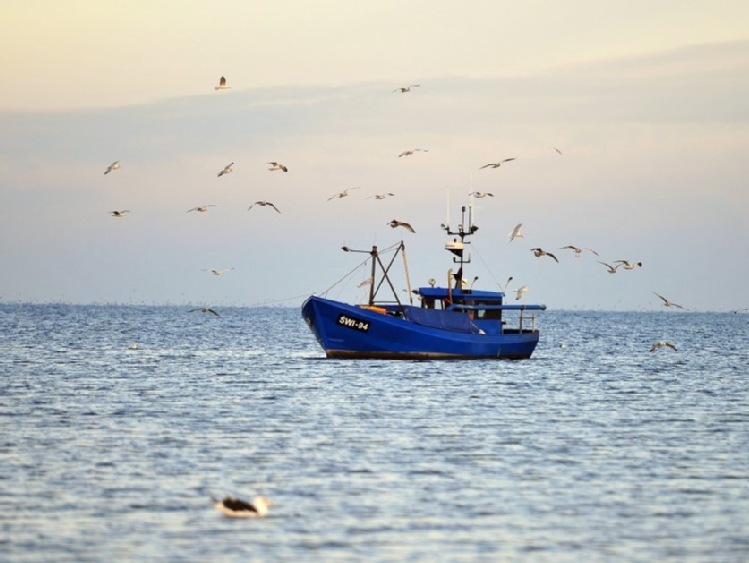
(348, 331)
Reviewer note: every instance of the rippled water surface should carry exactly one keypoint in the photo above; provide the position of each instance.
(595, 450)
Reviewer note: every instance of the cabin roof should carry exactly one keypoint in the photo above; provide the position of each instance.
(442, 292)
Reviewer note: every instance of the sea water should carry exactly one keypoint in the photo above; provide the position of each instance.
(593, 450)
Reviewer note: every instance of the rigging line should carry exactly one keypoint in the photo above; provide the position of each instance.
(345, 276)
(486, 266)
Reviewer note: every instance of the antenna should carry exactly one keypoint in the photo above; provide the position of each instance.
(447, 214)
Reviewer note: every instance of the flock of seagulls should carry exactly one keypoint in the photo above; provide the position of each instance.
(516, 232)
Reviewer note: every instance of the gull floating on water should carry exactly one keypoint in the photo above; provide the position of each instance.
(263, 203)
(480, 195)
(204, 310)
(516, 232)
(217, 272)
(344, 193)
(221, 84)
(496, 164)
(662, 344)
(404, 89)
(227, 170)
(395, 223)
(114, 166)
(628, 265)
(381, 196)
(235, 508)
(667, 303)
(277, 166)
(120, 213)
(409, 152)
(609, 268)
(577, 250)
(201, 208)
(538, 252)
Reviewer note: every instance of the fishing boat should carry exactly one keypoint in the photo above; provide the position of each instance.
(451, 322)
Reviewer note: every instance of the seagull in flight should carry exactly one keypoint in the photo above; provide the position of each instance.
(667, 303)
(112, 167)
(611, 269)
(577, 250)
(216, 272)
(204, 310)
(519, 292)
(538, 252)
(344, 193)
(404, 89)
(200, 208)
(368, 281)
(277, 166)
(516, 232)
(263, 203)
(411, 151)
(395, 223)
(480, 195)
(628, 265)
(496, 164)
(120, 213)
(222, 84)
(556, 149)
(227, 170)
(235, 508)
(662, 344)
(381, 196)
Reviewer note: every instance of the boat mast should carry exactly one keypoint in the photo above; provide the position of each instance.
(458, 247)
(373, 253)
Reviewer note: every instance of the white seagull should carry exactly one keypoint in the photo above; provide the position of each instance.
(205, 310)
(662, 344)
(227, 170)
(480, 195)
(519, 292)
(381, 196)
(119, 213)
(235, 508)
(114, 166)
(263, 203)
(496, 164)
(216, 272)
(516, 232)
(344, 193)
(667, 303)
(277, 166)
(609, 268)
(577, 250)
(200, 208)
(628, 265)
(221, 84)
(404, 89)
(395, 223)
(409, 152)
(368, 281)
(538, 252)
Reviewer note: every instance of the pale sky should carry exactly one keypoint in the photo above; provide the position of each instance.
(649, 103)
